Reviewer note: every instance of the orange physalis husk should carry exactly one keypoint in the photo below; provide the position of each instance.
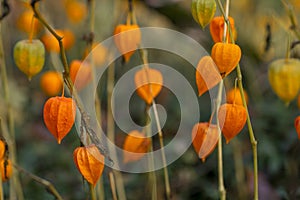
(234, 95)
(59, 116)
(136, 145)
(51, 83)
(52, 44)
(207, 75)
(148, 83)
(2, 148)
(84, 76)
(205, 137)
(226, 57)
(297, 126)
(90, 163)
(6, 169)
(232, 119)
(217, 29)
(127, 38)
(76, 11)
(25, 20)
(98, 53)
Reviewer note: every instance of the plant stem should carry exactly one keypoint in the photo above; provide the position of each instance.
(49, 186)
(92, 6)
(144, 57)
(222, 190)
(239, 169)
(111, 130)
(251, 134)
(294, 26)
(250, 129)
(92, 192)
(112, 185)
(152, 174)
(16, 188)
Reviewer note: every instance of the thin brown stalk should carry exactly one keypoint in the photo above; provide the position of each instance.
(49, 186)
(113, 185)
(152, 174)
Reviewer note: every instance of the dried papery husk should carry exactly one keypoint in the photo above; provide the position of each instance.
(297, 126)
(25, 20)
(90, 163)
(6, 169)
(76, 11)
(284, 78)
(80, 73)
(127, 39)
(29, 56)
(232, 119)
(234, 96)
(207, 75)
(226, 56)
(51, 83)
(2, 148)
(205, 137)
(217, 29)
(59, 116)
(148, 83)
(203, 11)
(135, 146)
(51, 43)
